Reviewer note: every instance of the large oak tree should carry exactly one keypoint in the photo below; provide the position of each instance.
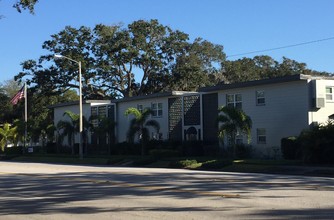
(263, 67)
(144, 58)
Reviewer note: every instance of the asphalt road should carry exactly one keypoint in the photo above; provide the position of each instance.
(45, 191)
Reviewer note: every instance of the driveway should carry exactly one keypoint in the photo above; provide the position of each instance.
(48, 191)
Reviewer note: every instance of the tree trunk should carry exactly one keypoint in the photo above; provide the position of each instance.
(73, 144)
(234, 146)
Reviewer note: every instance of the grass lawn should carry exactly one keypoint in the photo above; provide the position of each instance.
(61, 159)
(196, 163)
(149, 161)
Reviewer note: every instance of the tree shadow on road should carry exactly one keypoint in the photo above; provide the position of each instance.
(73, 193)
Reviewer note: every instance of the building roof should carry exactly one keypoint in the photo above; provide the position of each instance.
(127, 99)
(77, 103)
(155, 95)
(282, 79)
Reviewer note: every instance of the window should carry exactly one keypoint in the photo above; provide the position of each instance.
(98, 112)
(260, 99)
(234, 100)
(329, 93)
(94, 113)
(239, 139)
(156, 109)
(102, 111)
(261, 136)
(140, 108)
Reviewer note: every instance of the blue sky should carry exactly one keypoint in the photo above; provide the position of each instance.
(241, 26)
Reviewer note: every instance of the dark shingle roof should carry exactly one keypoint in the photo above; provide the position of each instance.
(155, 95)
(256, 82)
(77, 103)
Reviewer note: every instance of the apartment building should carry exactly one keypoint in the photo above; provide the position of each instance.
(279, 107)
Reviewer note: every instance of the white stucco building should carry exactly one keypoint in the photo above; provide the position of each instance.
(279, 107)
(89, 108)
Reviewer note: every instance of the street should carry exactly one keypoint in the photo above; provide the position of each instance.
(49, 191)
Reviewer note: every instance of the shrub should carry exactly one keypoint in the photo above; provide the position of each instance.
(144, 161)
(243, 151)
(13, 150)
(193, 148)
(114, 161)
(211, 149)
(51, 148)
(154, 143)
(216, 164)
(318, 144)
(163, 153)
(290, 148)
(182, 163)
(126, 148)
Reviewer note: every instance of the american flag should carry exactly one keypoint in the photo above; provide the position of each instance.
(19, 95)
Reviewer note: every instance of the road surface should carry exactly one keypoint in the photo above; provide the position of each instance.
(46, 191)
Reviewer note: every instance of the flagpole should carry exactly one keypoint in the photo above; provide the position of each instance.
(25, 114)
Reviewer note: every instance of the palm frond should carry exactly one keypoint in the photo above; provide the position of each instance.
(133, 111)
(154, 124)
(233, 120)
(71, 115)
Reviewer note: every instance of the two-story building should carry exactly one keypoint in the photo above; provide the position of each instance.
(279, 107)
(174, 111)
(89, 108)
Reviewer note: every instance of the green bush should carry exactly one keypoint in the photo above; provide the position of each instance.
(182, 163)
(193, 148)
(144, 161)
(317, 144)
(163, 153)
(13, 150)
(126, 148)
(243, 151)
(290, 148)
(211, 149)
(216, 164)
(154, 143)
(112, 161)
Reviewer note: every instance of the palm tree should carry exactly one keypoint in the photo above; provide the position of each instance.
(50, 132)
(87, 126)
(59, 136)
(105, 128)
(6, 134)
(139, 124)
(69, 128)
(20, 131)
(232, 122)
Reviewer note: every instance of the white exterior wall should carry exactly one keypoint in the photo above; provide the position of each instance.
(287, 111)
(284, 114)
(320, 115)
(59, 116)
(123, 122)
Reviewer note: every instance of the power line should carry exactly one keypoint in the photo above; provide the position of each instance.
(283, 47)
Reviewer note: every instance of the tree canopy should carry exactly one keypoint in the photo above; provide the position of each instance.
(118, 61)
(143, 58)
(262, 67)
(25, 5)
